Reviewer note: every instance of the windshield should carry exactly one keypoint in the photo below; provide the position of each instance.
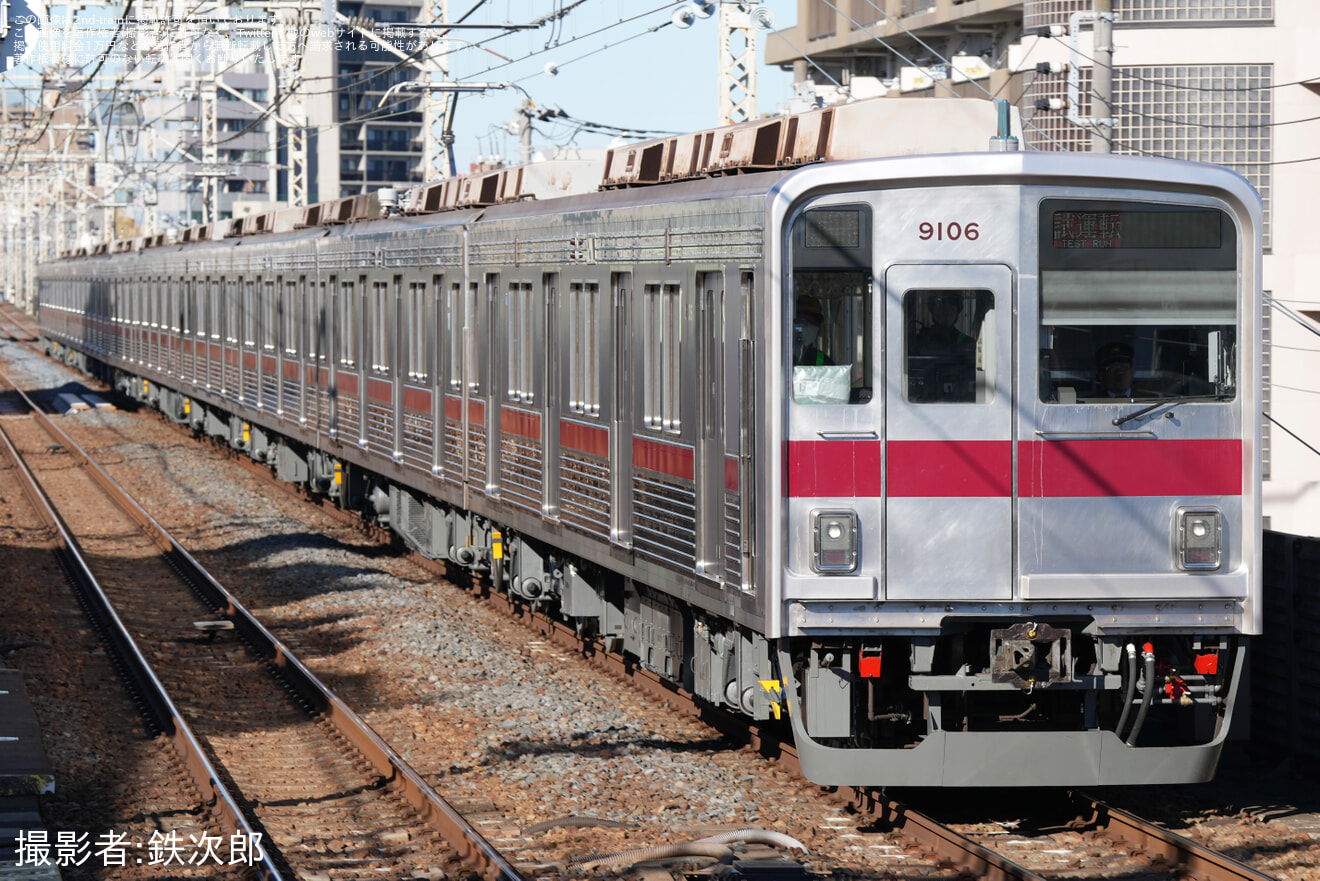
(1138, 301)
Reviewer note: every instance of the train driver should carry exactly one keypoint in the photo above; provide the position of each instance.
(1113, 367)
(807, 320)
(942, 336)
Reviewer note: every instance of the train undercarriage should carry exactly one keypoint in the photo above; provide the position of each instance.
(1043, 695)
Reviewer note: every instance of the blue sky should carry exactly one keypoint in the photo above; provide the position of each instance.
(662, 81)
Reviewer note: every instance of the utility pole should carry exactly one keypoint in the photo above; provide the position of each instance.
(437, 107)
(1102, 78)
(289, 41)
(208, 113)
(737, 74)
(525, 133)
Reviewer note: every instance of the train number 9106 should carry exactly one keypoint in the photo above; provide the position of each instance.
(951, 231)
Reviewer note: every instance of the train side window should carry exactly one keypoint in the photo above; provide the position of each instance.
(948, 346)
(232, 311)
(289, 317)
(188, 308)
(197, 308)
(269, 316)
(454, 321)
(378, 327)
(349, 324)
(417, 321)
(249, 314)
(472, 331)
(215, 305)
(661, 338)
(519, 309)
(313, 319)
(830, 311)
(584, 342)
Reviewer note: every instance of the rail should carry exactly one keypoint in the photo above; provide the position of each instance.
(467, 841)
(165, 716)
(1181, 856)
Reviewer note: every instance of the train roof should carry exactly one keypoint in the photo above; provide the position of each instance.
(880, 139)
(761, 149)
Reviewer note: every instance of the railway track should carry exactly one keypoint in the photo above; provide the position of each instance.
(283, 764)
(948, 849)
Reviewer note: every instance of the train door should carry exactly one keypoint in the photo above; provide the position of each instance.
(620, 418)
(437, 373)
(214, 323)
(412, 374)
(359, 297)
(380, 379)
(268, 360)
(451, 383)
(949, 428)
(740, 441)
(496, 348)
(317, 380)
(550, 353)
(292, 349)
(710, 428)
(188, 332)
(178, 297)
(248, 361)
(473, 341)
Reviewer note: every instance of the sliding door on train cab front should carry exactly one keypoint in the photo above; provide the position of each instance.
(948, 439)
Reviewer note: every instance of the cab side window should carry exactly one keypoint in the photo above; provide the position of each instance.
(829, 314)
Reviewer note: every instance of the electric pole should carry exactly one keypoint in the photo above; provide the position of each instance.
(437, 107)
(1102, 78)
(737, 74)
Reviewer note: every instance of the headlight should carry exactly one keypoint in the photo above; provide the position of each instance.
(834, 541)
(1200, 538)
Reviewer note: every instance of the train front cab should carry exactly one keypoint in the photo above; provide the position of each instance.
(1002, 565)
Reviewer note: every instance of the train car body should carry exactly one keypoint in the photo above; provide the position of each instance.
(843, 443)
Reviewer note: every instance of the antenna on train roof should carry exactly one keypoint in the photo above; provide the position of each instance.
(1003, 141)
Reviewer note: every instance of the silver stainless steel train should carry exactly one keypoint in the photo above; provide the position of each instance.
(950, 460)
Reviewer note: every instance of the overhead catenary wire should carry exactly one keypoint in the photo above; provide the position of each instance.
(530, 55)
(1127, 72)
(1172, 85)
(1291, 315)
(1119, 71)
(1290, 433)
(6, 165)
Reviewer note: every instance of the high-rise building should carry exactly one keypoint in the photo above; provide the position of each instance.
(360, 147)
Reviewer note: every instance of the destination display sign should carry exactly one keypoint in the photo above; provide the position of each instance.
(1137, 229)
